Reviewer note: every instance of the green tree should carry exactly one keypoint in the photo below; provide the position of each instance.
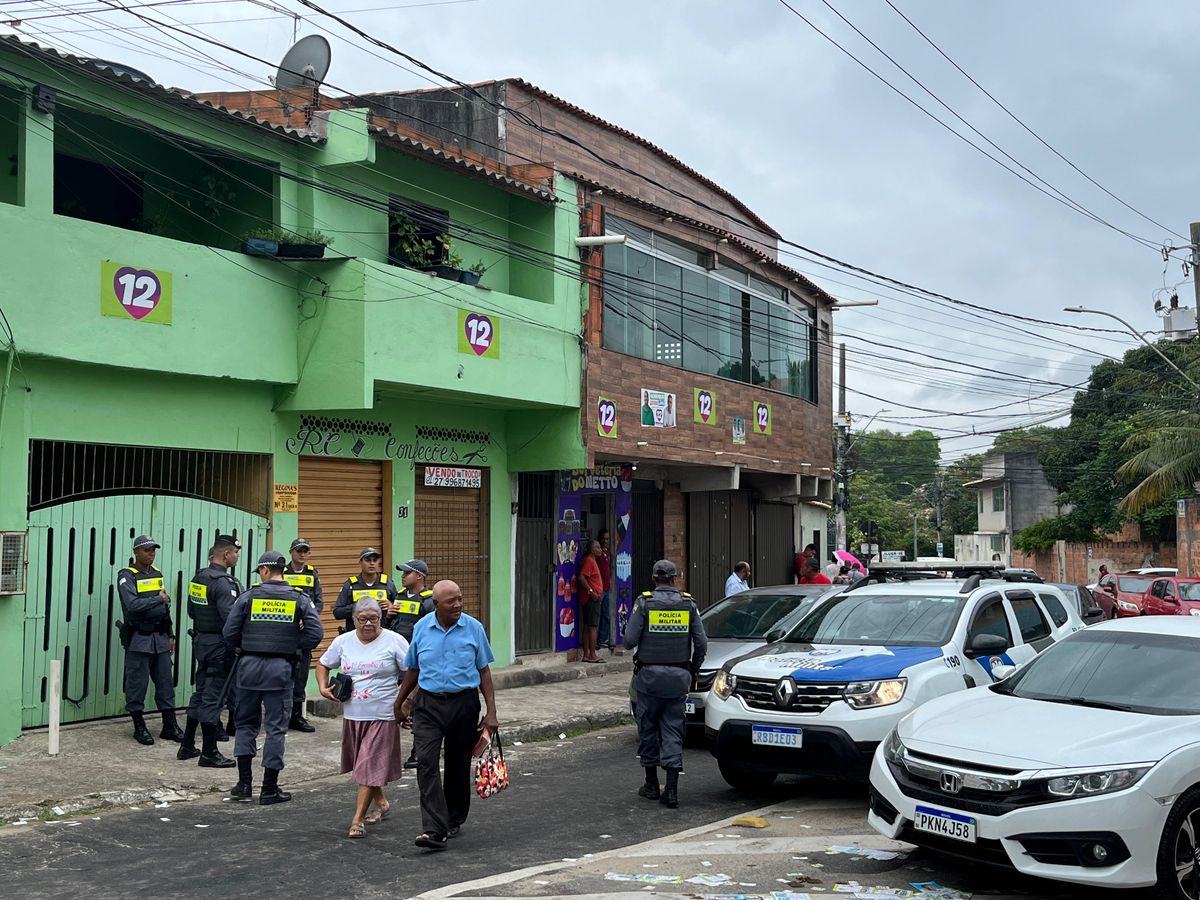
(904, 462)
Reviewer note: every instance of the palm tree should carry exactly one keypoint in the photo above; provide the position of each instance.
(1166, 459)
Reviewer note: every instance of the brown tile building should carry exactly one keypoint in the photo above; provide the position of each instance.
(708, 379)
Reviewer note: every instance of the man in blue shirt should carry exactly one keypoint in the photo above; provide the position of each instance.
(448, 667)
(739, 581)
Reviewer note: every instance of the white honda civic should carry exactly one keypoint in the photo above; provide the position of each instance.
(1083, 766)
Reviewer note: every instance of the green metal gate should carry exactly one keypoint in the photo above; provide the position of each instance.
(75, 551)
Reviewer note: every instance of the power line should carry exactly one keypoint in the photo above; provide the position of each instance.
(1027, 128)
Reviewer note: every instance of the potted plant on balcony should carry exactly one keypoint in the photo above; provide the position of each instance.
(286, 244)
(473, 274)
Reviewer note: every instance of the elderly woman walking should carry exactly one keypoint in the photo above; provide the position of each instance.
(374, 658)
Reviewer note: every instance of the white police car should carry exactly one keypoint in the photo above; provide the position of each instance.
(823, 699)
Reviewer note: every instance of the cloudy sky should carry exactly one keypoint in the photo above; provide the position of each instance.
(751, 95)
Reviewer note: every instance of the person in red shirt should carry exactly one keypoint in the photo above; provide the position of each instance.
(812, 572)
(604, 561)
(591, 590)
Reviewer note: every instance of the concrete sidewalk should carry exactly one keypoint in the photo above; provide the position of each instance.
(101, 767)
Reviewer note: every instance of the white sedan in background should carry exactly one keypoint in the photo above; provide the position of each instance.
(1083, 766)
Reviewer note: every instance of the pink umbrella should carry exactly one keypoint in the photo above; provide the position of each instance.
(847, 558)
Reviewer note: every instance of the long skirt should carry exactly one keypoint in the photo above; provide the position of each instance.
(371, 752)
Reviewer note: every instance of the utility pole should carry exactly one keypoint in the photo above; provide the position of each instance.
(1195, 232)
(843, 477)
(915, 516)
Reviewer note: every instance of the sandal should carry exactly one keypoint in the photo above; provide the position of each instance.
(378, 814)
(357, 830)
(430, 841)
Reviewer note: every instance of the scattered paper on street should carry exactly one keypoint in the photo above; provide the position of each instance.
(750, 822)
(709, 880)
(868, 852)
(644, 877)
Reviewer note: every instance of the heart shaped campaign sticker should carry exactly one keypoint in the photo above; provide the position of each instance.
(479, 332)
(606, 417)
(704, 405)
(139, 290)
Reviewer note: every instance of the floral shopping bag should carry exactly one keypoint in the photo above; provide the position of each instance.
(491, 771)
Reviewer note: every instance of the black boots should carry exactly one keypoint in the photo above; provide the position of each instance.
(141, 733)
(299, 723)
(649, 790)
(170, 730)
(270, 792)
(670, 796)
(187, 749)
(411, 762)
(211, 758)
(243, 790)
(231, 728)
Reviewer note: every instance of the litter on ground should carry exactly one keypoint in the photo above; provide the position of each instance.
(750, 822)
(709, 880)
(643, 877)
(868, 852)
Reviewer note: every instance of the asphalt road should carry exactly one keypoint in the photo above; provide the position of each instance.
(567, 799)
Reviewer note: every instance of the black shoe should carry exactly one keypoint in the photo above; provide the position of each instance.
(187, 752)
(231, 728)
(142, 735)
(222, 737)
(431, 841)
(243, 791)
(171, 731)
(670, 796)
(411, 762)
(214, 760)
(649, 791)
(455, 831)
(266, 798)
(299, 723)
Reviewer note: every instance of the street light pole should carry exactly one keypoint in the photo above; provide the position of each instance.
(1137, 334)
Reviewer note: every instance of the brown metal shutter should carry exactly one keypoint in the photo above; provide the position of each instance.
(451, 534)
(341, 512)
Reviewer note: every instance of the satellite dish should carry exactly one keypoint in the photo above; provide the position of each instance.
(305, 65)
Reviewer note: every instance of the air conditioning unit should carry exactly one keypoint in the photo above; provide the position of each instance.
(12, 562)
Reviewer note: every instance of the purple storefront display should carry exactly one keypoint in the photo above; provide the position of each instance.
(605, 478)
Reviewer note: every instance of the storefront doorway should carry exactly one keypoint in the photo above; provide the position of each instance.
(451, 532)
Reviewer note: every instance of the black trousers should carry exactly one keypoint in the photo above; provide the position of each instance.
(212, 665)
(300, 682)
(452, 720)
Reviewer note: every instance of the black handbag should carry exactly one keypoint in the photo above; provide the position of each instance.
(342, 686)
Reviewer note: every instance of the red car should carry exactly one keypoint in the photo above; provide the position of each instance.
(1172, 597)
(1121, 595)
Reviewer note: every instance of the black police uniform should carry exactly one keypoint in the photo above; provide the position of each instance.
(308, 580)
(148, 653)
(211, 595)
(270, 624)
(409, 610)
(356, 589)
(669, 638)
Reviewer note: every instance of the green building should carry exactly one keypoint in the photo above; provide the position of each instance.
(157, 379)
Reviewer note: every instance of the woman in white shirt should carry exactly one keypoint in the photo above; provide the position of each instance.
(374, 658)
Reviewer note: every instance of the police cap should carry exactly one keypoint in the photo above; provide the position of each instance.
(143, 541)
(272, 559)
(664, 568)
(369, 551)
(301, 544)
(227, 540)
(415, 565)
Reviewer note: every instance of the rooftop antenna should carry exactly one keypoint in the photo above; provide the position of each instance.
(303, 68)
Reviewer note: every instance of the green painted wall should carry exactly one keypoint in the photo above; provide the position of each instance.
(254, 343)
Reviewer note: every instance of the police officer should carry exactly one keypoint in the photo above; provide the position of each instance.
(270, 624)
(416, 602)
(666, 632)
(211, 595)
(299, 574)
(150, 643)
(370, 583)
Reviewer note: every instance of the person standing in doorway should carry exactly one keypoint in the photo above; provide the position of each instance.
(301, 574)
(604, 562)
(416, 602)
(812, 572)
(591, 590)
(738, 580)
(149, 642)
(449, 661)
(370, 584)
(668, 637)
(211, 594)
(270, 624)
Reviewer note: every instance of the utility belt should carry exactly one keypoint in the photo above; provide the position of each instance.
(638, 665)
(192, 632)
(163, 626)
(290, 657)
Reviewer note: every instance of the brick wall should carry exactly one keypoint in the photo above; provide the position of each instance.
(800, 430)
(1188, 540)
(675, 530)
(1082, 561)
